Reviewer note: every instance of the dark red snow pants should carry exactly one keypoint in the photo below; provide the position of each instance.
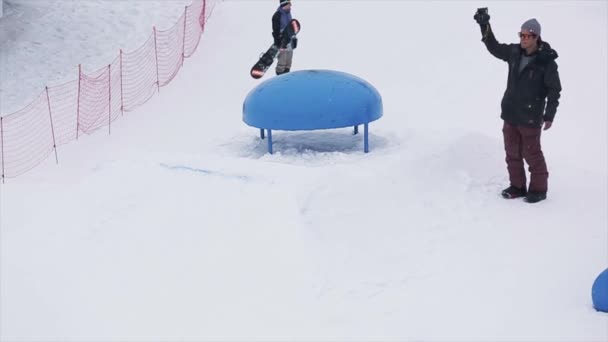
(523, 143)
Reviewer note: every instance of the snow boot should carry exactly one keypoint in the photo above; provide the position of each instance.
(535, 196)
(513, 192)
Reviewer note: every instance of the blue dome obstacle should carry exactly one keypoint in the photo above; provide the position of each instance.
(599, 292)
(312, 99)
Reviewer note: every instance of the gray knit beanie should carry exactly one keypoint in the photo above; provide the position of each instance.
(531, 26)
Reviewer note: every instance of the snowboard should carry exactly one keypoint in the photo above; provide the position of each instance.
(267, 58)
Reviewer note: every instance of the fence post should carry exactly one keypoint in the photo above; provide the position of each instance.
(156, 53)
(2, 144)
(78, 105)
(109, 99)
(184, 39)
(48, 101)
(122, 104)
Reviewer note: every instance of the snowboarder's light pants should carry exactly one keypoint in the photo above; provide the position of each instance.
(284, 60)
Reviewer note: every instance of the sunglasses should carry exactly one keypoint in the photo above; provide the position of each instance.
(526, 35)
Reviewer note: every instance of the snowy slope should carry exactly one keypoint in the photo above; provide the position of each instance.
(42, 42)
(180, 226)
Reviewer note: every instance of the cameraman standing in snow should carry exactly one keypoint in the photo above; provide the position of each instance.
(529, 103)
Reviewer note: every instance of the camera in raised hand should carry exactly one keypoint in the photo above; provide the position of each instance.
(481, 16)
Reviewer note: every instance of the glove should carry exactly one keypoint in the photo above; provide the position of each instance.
(481, 16)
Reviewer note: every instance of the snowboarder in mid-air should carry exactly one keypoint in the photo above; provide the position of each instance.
(280, 20)
(284, 31)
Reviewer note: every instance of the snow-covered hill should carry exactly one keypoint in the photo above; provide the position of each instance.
(179, 226)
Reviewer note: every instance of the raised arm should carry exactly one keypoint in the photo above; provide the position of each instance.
(498, 50)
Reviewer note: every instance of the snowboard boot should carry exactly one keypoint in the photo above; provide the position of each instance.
(513, 192)
(535, 196)
(286, 70)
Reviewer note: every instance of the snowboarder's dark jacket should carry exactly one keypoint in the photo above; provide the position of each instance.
(524, 100)
(278, 26)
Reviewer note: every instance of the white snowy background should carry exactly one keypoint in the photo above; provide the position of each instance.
(179, 226)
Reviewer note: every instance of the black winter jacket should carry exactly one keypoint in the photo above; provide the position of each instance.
(276, 28)
(532, 95)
